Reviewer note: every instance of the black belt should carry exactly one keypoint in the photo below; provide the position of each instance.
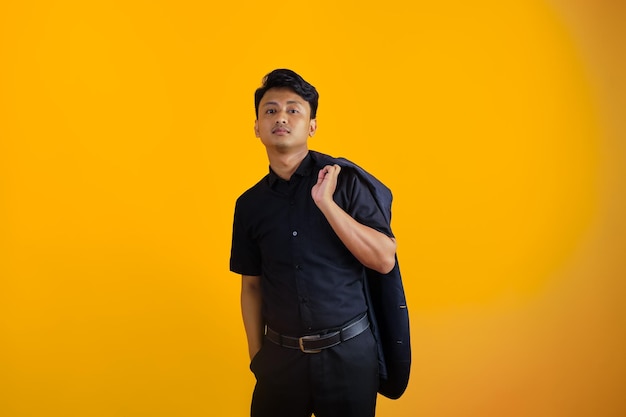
(316, 342)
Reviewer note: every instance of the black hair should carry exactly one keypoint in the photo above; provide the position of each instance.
(285, 78)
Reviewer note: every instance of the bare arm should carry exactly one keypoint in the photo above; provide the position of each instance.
(372, 248)
(251, 312)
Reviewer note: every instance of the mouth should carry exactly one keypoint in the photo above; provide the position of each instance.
(280, 130)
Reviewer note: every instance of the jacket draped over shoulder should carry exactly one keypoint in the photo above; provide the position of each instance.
(387, 307)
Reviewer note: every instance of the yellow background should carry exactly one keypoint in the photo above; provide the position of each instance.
(126, 133)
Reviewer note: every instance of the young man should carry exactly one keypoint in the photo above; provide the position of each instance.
(303, 238)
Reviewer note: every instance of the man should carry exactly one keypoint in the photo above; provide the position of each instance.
(303, 238)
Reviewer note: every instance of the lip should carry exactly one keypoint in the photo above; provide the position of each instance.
(280, 131)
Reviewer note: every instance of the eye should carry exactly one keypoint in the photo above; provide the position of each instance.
(293, 111)
(270, 111)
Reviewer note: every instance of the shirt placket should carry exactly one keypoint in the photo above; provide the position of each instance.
(298, 247)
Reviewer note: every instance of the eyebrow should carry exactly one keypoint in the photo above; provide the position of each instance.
(275, 103)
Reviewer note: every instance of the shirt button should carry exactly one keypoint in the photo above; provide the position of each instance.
(294, 233)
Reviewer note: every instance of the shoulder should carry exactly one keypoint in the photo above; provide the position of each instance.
(255, 192)
(353, 171)
(321, 159)
(348, 168)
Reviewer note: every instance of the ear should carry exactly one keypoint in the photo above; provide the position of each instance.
(312, 127)
(256, 128)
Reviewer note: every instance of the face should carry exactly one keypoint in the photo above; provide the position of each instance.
(284, 123)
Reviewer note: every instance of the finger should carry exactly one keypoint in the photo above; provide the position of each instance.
(324, 171)
(334, 170)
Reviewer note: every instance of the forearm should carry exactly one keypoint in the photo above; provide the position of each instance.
(251, 300)
(372, 248)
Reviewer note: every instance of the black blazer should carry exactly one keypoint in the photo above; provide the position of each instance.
(388, 312)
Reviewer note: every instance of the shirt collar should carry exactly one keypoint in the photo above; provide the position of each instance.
(303, 170)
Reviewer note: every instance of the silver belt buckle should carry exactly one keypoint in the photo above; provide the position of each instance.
(301, 341)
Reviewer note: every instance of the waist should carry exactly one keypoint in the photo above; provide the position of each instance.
(315, 343)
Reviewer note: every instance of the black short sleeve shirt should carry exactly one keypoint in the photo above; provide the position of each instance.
(310, 280)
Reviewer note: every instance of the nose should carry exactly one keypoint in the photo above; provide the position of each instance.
(281, 117)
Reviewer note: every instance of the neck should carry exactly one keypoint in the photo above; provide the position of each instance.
(284, 165)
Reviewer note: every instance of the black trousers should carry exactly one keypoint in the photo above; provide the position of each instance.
(341, 381)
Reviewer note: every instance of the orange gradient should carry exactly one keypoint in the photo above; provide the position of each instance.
(126, 134)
